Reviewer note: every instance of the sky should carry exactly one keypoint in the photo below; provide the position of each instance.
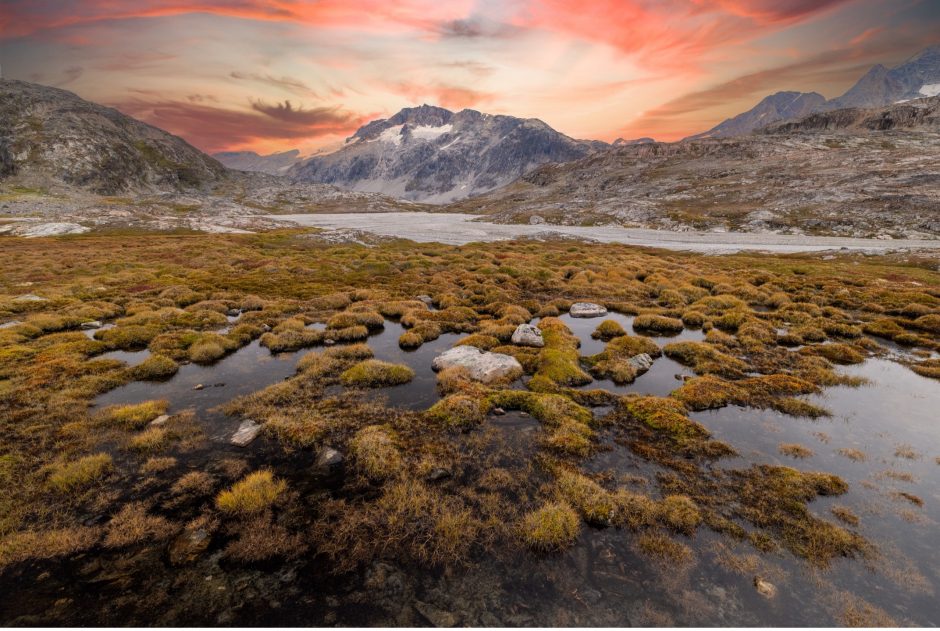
(305, 74)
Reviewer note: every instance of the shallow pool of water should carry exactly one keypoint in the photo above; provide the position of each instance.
(604, 579)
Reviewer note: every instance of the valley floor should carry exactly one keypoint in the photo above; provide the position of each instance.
(247, 429)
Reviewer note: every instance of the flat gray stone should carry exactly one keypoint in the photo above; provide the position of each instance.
(246, 433)
(528, 335)
(587, 310)
(481, 365)
(91, 324)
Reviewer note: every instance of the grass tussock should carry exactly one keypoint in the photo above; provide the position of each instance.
(374, 373)
(76, 474)
(255, 493)
(554, 526)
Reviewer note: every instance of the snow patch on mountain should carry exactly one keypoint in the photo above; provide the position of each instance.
(930, 89)
(392, 135)
(426, 132)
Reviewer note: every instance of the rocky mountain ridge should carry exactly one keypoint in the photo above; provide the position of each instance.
(915, 78)
(851, 172)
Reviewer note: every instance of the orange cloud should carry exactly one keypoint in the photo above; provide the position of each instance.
(19, 18)
(215, 129)
(670, 33)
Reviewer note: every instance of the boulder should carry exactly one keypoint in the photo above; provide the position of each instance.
(528, 335)
(481, 365)
(91, 324)
(246, 433)
(587, 310)
(426, 300)
(536, 220)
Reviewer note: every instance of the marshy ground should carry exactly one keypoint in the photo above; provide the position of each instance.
(777, 463)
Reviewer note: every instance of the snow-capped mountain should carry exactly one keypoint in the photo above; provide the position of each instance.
(918, 77)
(433, 155)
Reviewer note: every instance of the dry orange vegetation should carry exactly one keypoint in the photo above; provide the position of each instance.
(60, 460)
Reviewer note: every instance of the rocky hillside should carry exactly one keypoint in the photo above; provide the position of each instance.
(916, 78)
(52, 136)
(433, 155)
(272, 164)
(915, 115)
(849, 172)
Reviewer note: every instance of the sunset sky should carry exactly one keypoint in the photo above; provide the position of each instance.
(271, 76)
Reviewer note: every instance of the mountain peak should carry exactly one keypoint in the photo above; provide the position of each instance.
(775, 107)
(431, 154)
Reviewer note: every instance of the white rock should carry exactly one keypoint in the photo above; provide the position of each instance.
(536, 220)
(587, 310)
(481, 365)
(91, 324)
(246, 433)
(160, 420)
(528, 335)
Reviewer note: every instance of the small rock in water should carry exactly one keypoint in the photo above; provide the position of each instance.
(198, 386)
(329, 342)
(764, 588)
(246, 433)
(233, 312)
(587, 310)
(528, 335)
(329, 459)
(91, 324)
(426, 299)
(265, 327)
(499, 411)
(437, 617)
(160, 420)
